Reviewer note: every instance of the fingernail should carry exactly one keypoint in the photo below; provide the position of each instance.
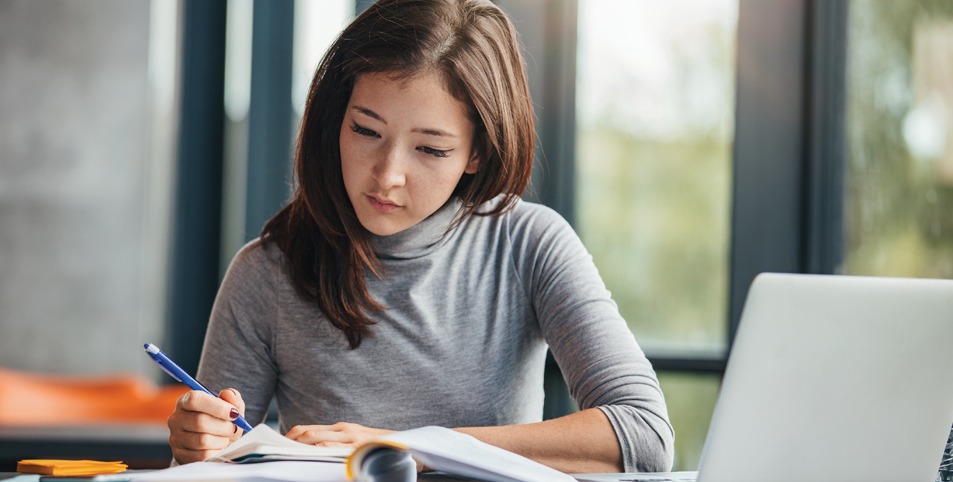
(233, 414)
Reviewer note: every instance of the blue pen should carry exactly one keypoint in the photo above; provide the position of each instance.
(179, 374)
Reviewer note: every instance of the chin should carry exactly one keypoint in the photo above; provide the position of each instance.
(383, 229)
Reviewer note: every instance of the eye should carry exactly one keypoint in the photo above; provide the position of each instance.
(364, 131)
(433, 152)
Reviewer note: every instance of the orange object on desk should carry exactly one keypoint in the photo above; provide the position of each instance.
(42, 399)
(77, 468)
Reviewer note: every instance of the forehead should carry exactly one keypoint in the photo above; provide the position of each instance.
(420, 98)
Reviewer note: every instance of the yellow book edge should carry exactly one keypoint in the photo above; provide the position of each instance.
(353, 462)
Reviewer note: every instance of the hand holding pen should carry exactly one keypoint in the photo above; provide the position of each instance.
(181, 376)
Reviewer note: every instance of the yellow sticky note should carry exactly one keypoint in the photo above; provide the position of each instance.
(69, 467)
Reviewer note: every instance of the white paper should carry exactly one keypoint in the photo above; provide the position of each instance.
(264, 443)
(640, 477)
(459, 454)
(288, 471)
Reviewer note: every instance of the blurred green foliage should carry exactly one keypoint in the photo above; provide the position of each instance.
(655, 216)
(653, 190)
(899, 205)
(690, 399)
(654, 210)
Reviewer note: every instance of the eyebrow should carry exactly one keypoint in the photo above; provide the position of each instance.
(420, 130)
(369, 113)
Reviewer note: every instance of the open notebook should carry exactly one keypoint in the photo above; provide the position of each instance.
(438, 448)
(264, 444)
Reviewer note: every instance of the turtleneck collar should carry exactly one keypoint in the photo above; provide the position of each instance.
(420, 239)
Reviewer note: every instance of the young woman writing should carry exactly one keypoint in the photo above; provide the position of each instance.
(406, 284)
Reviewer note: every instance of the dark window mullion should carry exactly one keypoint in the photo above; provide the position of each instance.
(270, 133)
(195, 238)
(823, 226)
(769, 152)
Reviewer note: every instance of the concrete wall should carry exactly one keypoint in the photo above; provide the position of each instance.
(82, 191)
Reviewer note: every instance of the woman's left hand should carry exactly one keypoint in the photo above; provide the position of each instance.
(341, 434)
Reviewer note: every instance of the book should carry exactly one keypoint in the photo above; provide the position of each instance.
(437, 448)
(453, 453)
(264, 444)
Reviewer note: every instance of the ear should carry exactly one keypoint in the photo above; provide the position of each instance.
(473, 165)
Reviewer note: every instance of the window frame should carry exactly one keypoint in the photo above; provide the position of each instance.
(787, 205)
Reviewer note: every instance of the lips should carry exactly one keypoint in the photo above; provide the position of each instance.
(382, 204)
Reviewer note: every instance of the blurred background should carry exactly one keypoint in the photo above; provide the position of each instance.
(691, 143)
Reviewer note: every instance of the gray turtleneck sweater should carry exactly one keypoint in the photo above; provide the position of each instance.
(462, 341)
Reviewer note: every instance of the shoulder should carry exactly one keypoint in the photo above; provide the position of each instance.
(523, 214)
(536, 222)
(531, 211)
(534, 234)
(257, 262)
(258, 252)
(249, 290)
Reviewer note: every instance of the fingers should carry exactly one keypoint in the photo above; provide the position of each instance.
(197, 401)
(192, 447)
(299, 430)
(232, 396)
(314, 436)
(201, 426)
(325, 435)
(339, 434)
(340, 427)
(186, 456)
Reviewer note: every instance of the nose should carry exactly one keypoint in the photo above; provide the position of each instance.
(389, 169)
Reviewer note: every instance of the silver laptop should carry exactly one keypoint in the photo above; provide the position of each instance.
(834, 378)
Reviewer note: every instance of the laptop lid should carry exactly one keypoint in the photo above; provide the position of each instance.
(835, 378)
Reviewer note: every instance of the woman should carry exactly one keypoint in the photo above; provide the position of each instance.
(406, 283)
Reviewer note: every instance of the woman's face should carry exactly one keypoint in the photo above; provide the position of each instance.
(405, 144)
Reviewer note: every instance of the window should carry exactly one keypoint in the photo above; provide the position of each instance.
(280, 90)
(899, 118)
(655, 105)
(655, 125)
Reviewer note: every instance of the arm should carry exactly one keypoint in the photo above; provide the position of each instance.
(238, 343)
(235, 359)
(583, 442)
(601, 362)
(577, 443)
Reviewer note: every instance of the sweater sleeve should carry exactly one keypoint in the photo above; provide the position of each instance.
(599, 357)
(237, 349)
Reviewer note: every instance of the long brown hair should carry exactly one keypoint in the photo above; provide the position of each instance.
(474, 47)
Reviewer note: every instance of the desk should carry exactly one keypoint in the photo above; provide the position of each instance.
(421, 477)
(140, 446)
(432, 477)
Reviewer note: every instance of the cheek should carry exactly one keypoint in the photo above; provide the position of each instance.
(447, 181)
(350, 168)
(439, 184)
